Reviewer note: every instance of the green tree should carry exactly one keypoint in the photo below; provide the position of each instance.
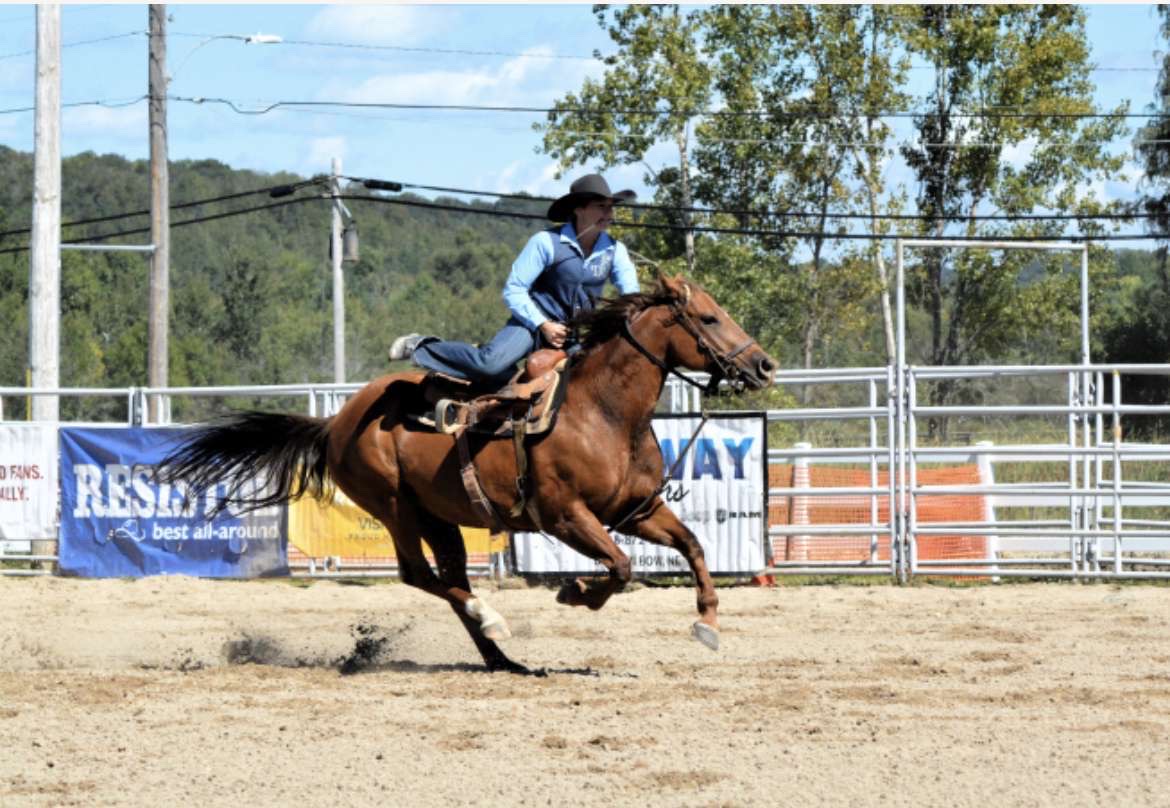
(871, 70)
(1153, 150)
(1005, 77)
(654, 84)
(1140, 331)
(804, 77)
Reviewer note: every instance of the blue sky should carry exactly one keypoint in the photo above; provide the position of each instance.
(540, 50)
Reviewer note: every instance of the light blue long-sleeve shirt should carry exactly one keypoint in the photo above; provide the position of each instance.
(538, 254)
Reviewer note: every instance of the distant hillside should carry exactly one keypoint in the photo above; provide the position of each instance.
(251, 295)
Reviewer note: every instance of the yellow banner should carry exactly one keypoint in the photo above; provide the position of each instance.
(341, 528)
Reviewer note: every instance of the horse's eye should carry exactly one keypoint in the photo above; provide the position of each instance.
(709, 319)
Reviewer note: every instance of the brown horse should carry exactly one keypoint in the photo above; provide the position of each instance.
(600, 464)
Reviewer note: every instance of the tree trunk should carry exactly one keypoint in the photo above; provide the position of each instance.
(887, 313)
(868, 171)
(684, 173)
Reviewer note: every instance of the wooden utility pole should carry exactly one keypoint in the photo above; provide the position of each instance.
(160, 220)
(44, 277)
(44, 292)
(335, 251)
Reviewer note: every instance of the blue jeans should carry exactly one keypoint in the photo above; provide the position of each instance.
(494, 362)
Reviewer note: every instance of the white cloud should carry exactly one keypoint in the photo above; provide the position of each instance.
(547, 183)
(631, 175)
(505, 180)
(523, 176)
(1127, 183)
(320, 154)
(379, 25)
(438, 87)
(1094, 188)
(1017, 155)
(498, 84)
(97, 121)
(19, 76)
(540, 178)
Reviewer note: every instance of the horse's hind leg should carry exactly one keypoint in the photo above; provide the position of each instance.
(451, 558)
(663, 527)
(406, 523)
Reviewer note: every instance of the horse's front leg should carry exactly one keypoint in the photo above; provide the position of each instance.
(663, 527)
(581, 530)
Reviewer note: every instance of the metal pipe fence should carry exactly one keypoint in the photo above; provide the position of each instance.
(1097, 536)
(1094, 526)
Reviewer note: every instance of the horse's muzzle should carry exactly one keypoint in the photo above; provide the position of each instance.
(762, 370)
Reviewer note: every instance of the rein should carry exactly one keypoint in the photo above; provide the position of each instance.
(667, 477)
(726, 370)
(665, 367)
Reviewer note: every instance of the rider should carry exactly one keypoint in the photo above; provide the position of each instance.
(558, 274)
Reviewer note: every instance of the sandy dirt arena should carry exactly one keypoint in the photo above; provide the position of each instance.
(174, 691)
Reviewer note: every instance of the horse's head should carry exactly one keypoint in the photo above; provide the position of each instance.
(708, 339)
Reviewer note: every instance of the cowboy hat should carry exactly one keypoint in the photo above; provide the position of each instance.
(584, 189)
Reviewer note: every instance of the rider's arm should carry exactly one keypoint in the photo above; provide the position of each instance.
(623, 275)
(533, 259)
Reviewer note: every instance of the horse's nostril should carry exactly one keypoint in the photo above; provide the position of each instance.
(766, 366)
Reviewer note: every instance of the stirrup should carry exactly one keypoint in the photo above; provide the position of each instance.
(447, 416)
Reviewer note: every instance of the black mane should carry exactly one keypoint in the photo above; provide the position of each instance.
(605, 321)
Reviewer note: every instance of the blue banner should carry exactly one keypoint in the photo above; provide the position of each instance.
(116, 521)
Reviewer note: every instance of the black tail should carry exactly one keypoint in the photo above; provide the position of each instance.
(264, 458)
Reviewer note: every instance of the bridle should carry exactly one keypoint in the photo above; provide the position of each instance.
(725, 364)
(726, 369)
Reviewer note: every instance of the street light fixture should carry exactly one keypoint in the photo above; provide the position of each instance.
(253, 39)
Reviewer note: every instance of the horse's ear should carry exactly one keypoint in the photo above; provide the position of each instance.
(678, 288)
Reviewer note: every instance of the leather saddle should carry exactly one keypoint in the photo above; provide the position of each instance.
(528, 402)
(526, 405)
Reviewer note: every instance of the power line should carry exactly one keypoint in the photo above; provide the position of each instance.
(283, 190)
(74, 44)
(100, 103)
(183, 223)
(784, 234)
(1125, 69)
(905, 217)
(290, 188)
(268, 106)
(973, 144)
(739, 231)
(526, 54)
(405, 49)
(613, 135)
(1098, 69)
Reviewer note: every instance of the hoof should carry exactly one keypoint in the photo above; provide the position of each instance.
(571, 593)
(505, 665)
(496, 632)
(706, 635)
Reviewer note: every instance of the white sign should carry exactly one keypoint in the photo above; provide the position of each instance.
(718, 490)
(28, 482)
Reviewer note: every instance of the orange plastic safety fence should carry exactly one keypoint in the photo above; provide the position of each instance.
(864, 509)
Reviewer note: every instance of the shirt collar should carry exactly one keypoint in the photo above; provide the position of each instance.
(569, 234)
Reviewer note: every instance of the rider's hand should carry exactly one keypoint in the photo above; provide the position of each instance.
(554, 333)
